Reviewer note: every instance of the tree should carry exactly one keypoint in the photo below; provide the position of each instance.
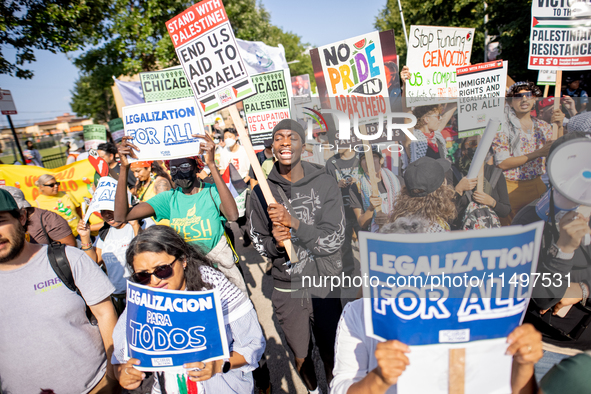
(90, 98)
(53, 25)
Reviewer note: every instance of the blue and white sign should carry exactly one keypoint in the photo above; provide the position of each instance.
(450, 287)
(167, 328)
(163, 130)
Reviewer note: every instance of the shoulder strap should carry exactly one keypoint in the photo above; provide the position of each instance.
(495, 176)
(56, 253)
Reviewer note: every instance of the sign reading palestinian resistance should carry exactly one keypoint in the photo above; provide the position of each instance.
(116, 129)
(450, 290)
(481, 96)
(206, 47)
(269, 106)
(94, 135)
(167, 84)
(168, 328)
(433, 55)
(560, 37)
(547, 77)
(164, 130)
(361, 75)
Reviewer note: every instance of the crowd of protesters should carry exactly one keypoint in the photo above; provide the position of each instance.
(168, 228)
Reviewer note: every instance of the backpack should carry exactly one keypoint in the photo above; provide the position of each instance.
(478, 216)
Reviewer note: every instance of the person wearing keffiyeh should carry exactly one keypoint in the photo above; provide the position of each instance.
(430, 142)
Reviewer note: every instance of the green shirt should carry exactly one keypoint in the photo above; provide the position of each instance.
(195, 217)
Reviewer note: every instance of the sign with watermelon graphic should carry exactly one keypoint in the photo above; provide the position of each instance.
(206, 47)
(433, 55)
(361, 74)
(560, 36)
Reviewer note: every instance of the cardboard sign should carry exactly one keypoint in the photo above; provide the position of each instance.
(559, 38)
(481, 92)
(206, 47)
(269, 106)
(300, 87)
(167, 328)
(116, 129)
(103, 197)
(433, 55)
(164, 130)
(168, 84)
(547, 77)
(94, 135)
(357, 71)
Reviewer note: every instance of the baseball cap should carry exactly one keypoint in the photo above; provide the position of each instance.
(18, 195)
(7, 202)
(425, 174)
(290, 124)
(546, 102)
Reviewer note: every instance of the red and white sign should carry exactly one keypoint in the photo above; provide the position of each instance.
(6, 103)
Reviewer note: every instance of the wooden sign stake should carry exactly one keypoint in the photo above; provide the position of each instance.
(546, 89)
(457, 371)
(557, 94)
(373, 179)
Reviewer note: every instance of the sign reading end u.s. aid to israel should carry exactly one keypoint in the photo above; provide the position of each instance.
(164, 130)
(448, 287)
(167, 328)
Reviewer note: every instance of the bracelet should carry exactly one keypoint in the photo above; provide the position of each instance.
(585, 289)
(85, 249)
(85, 245)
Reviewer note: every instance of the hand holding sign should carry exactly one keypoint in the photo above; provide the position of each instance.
(208, 148)
(392, 361)
(125, 149)
(204, 371)
(129, 377)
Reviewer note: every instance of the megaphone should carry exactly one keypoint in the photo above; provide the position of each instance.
(569, 171)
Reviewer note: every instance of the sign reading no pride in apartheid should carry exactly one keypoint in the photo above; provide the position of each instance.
(167, 328)
(269, 106)
(164, 130)
(207, 49)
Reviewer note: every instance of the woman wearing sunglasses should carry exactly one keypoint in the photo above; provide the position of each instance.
(159, 258)
(62, 203)
(196, 210)
(522, 145)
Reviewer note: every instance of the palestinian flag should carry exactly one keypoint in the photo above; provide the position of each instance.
(234, 181)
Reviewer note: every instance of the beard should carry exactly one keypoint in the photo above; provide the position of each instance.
(16, 244)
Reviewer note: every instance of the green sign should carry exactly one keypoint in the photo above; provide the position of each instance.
(168, 84)
(95, 132)
(115, 125)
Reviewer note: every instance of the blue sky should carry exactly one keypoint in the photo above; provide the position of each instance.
(318, 22)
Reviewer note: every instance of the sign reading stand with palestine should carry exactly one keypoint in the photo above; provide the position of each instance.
(560, 36)
(206, 47)
(269, 106)
(167, 84)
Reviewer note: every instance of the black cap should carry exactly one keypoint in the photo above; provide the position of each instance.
(425, 174)
(7, 202)
(290, 124)
(268, 143)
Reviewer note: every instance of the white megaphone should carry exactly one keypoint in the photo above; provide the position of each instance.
(569, 170)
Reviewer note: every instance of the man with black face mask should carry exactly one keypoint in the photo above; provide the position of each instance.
(196, 210)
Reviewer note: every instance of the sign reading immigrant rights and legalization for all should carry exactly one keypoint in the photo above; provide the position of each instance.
(167, 328)
(269, 106)
(481, 96)
(560, 36)
(167, 84)
(163, 130)
(207, 49)
(360, 73)
(433, 55)
(94, 135)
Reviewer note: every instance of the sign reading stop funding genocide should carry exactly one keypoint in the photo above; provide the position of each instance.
(560, 36)
(481, 96)
(433, 55)
(168, 84)
(164, 130)
(206, 47)
(269, 106)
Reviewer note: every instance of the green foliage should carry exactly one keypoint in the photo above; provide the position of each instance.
(90, 98)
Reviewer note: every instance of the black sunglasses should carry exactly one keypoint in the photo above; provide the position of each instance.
(160, 272)
(52, 184)
(185, 168)
(524, 94)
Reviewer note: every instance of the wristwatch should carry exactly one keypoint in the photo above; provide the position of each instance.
(226, 367)
(555, 252)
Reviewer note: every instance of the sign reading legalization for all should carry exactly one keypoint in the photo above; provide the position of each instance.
(560, 36)
(167, 84)
(164, 130)
(94, 135)
(433, 55)
(207, 49)
(167, 328)
(359, 75)
(481, 96)
(269, 106)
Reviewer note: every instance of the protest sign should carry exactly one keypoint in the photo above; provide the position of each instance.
(164, 130)
(433, 55)
(167, 84)
(447, 291)
(547, 77)
(560, 37)
(94, 135)
(103, 197)
(116, 129)
(361, 73)
(492, 128)
(269, 106)
(260, 57)
(481, 92)
(206, 47)
(168, 328)
(301, 91)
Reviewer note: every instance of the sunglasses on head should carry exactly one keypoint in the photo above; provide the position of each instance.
(524, 94)
(160, 272)
(185, 168)
(52, 184)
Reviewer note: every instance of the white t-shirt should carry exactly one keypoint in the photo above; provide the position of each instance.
(239, 159)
